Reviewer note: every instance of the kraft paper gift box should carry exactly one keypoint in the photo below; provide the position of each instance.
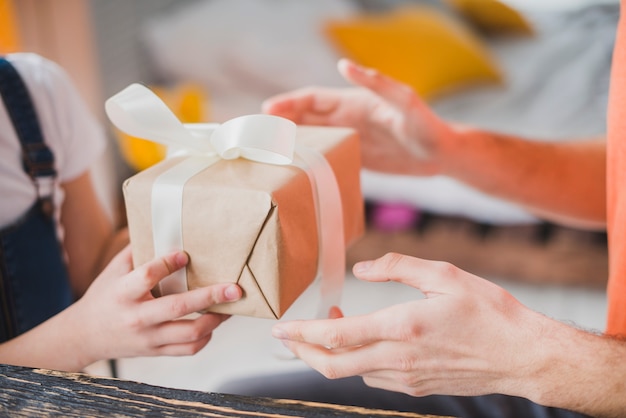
(253, 223)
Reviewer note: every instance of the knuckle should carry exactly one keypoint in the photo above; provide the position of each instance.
(416, 391)
(194, 349)
(196, 346)
(409, 332)
(120, 295)
(178, 307)
(413, 100)
(390, 260)
(133, 322)
(334, 338)
(404, 364)
(194, 333)
(215, 295)
(410, 382)
(148, 270)
(146, 274)
(503, 296)
(186, 350)
(329, 372)
(446, 269)
(401, 325)
(158, 269)
(169, 268)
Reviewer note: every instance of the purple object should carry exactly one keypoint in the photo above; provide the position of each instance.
(391, 217)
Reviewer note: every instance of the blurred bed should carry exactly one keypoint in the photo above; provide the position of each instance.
(542, 74)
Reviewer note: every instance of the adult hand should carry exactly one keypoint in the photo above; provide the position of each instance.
(118, 316)
(466, 337)
(399, 133)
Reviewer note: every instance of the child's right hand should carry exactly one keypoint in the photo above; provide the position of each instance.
(119, 317)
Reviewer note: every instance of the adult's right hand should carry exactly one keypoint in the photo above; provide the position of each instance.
(399, 133)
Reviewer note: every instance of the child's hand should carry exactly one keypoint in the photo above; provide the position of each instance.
(118, 316)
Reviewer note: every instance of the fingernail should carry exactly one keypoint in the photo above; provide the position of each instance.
(367, 71)
(232, 293)
(182, 258)
(279, 333)
(363, 266)
(343, 62)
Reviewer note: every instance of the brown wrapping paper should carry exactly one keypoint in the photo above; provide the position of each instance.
(251, 223)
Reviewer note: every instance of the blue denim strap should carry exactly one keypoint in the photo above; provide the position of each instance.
(34, 283)
(37, 158)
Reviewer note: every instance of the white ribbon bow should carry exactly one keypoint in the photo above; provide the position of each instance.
(139, 112)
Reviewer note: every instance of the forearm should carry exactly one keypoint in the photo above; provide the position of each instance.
(91, 237)
(579, 371)
(55, 344)
(563, 182)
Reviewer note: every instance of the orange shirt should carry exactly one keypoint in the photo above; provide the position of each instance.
(616, 186)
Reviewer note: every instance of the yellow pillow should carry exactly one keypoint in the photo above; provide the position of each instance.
(9, 30)
(418, 45)
(493, 16)
(187, 101)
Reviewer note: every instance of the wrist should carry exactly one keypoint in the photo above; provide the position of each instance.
(540, 375)
(78, 338)
(576, 370)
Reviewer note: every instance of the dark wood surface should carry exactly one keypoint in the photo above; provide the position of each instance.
(26, 392)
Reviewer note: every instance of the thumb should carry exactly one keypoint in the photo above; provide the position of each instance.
(430, 277)
(121, 263)
(394, 92)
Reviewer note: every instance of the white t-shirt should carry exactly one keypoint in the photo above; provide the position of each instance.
(75, 137)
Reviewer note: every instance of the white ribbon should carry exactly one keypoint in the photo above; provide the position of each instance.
(139, 112)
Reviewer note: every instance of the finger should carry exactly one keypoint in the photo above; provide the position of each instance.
(307, 106)
(171, 307)
(336, 363)
(392, 91)
(146, 276)
(283, 105)
(430, 277)
(186, 331)
(335, 312)
(182, 349)
(343, 332)
(121, 263)
(395, 385)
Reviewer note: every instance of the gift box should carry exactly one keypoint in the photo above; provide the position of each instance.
(253, 223)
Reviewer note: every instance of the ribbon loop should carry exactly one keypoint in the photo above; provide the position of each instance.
(139, 112)
(262, 138)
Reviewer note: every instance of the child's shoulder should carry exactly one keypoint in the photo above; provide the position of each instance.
(36, 69)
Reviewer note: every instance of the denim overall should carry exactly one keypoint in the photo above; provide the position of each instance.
(34, 283)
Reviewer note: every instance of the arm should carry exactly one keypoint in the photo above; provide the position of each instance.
(563, 182)
(466, 337)
(118, 317)
(90, 239)
(401, 135)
